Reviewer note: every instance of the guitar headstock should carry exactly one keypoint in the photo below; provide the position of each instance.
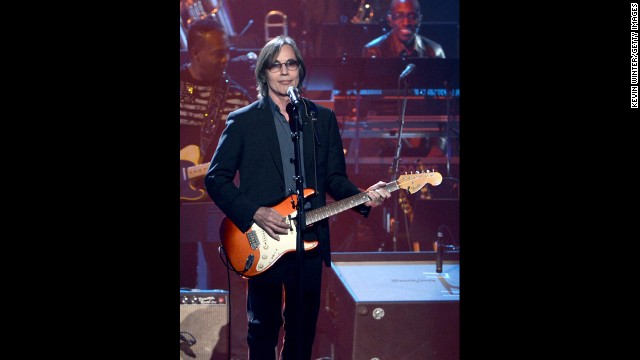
(414, 182)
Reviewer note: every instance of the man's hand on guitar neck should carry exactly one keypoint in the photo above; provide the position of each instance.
(377, 193)
(271, 222)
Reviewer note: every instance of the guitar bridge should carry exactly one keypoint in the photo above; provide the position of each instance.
(254, 242)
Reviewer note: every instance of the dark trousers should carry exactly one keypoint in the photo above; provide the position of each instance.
(265, 308)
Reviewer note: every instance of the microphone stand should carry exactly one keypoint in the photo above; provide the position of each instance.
(439, 251)
(448, 132)
(448, 129)
(356, 138)
(301, 216)
(394, 168)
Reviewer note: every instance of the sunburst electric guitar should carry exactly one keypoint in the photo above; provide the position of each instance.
(190, 171)
(254, 251)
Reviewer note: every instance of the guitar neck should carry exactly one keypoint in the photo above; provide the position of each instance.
(197, 170)
(344, 204)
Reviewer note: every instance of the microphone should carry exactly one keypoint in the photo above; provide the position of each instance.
(293, 95)
(408, 70)
(439, 251)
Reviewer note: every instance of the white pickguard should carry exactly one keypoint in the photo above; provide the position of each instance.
(272, 249)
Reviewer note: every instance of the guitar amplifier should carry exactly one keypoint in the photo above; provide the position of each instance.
(390, 306)
(204, 324)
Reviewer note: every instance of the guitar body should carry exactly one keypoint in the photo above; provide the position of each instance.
(189, 157)
(254, 251)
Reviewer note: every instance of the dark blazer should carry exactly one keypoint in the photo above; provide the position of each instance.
(249, 144)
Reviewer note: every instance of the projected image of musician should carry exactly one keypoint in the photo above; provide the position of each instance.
(403, 40)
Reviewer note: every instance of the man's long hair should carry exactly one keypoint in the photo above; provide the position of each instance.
(268, 55)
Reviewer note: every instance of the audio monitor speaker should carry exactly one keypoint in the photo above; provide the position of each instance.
(389, 306)
(204, 324)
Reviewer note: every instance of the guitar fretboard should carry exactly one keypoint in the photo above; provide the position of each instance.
(344, 204)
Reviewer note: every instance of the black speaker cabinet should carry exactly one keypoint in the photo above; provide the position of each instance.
(204, 324)
(389, 306)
